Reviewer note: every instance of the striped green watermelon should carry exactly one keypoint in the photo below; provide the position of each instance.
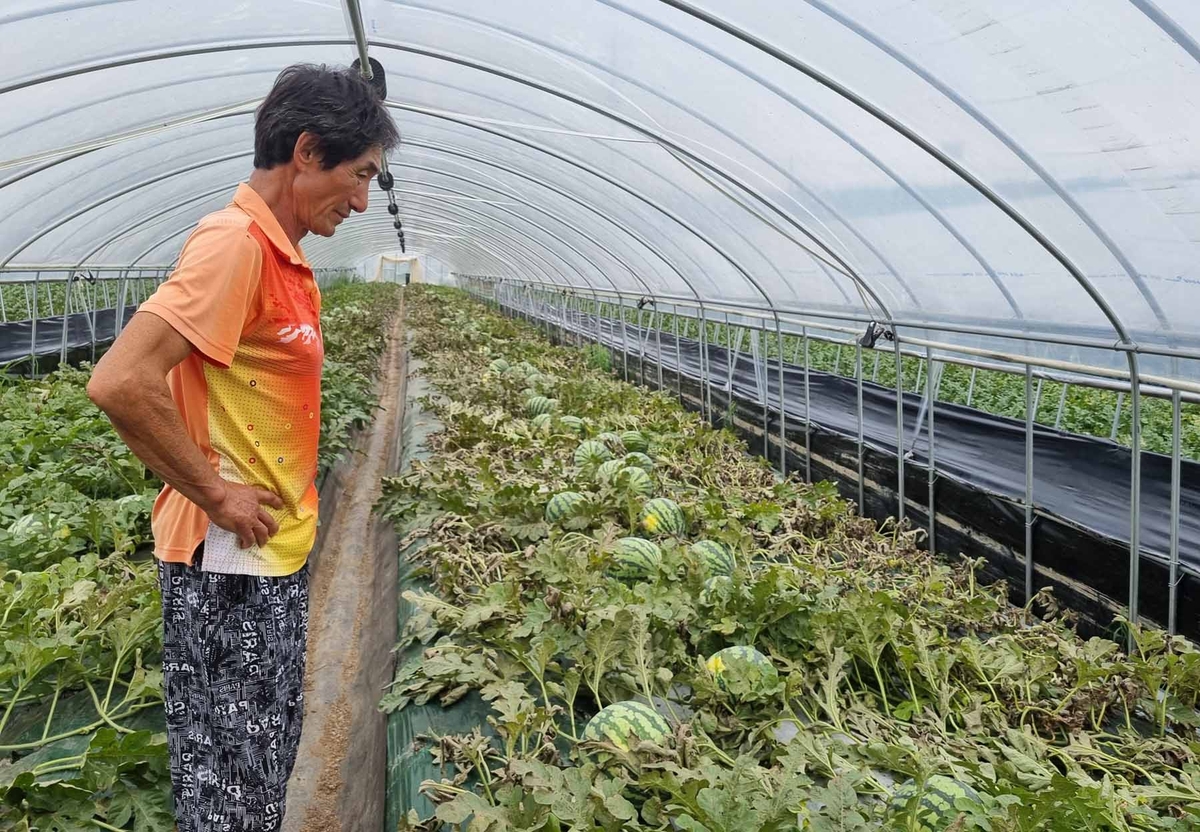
(712, 586)
(572, 423)
(607, 471)
(715, 555)
(591, 454)
(743, 672)
(525, 369)
(529, 393)
(563, 505)
(933, 804)
(538, 405)
(634, 441)
(612, 440)
(540, 422)
(634, 481)
(639, 460)
(623, 723)
(634, 557)
(499, 366)
(663, 516)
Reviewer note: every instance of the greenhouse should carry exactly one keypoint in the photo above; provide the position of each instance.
(735, 415)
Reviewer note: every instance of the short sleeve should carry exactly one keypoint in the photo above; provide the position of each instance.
(214, 291)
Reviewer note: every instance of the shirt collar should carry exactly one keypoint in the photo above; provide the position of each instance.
(249, 201)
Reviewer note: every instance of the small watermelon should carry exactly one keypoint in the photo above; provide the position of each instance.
(634, 481)
(529, 393)
(625, 722)
(712, 586)
(538, 405)
(743, 672)
(663, 516)
(612, 440)
(935, 803)
(634, 441)
(572, 423)
(540, 422)
(498, 366)
(563, 505)
(715, 555)
(525, 369)
(607, 471)
(634, 557)
(591, 454)
(639, 460)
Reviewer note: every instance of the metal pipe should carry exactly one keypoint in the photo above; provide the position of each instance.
(1028, 483)
(1037, 397)
(858, 373)
(971, 386)
(782, 403)
(931, 393)
(807, 407)
(1116, 422)
(899, 429)
(1062, 403)
(1135, 499)
(1173, 588)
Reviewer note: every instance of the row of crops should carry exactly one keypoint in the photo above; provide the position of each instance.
(1084, 410)
(81, 742)
(666, 635)
(22, 301)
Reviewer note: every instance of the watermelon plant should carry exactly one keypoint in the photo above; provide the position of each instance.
(872, 664)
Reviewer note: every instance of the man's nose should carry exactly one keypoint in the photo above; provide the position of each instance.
(358, 200)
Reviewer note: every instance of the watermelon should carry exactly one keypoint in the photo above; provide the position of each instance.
(538, 405)
(715, 555)
(563, 505)
(529, 393)
(623, 723)
(591, 454)
(743, 672)
(607, 471)
(498, 366)
(634, 557)
(663, 516)
(634, 441)
(934, 807)
(639, 460)
(525, 369)
(708, 595)
(612, 440)
(572, 423)
(540, 422)
(634, 481)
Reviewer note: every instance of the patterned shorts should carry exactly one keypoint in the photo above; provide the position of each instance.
(233, 677)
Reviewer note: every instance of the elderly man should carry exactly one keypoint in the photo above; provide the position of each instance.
(216, 385)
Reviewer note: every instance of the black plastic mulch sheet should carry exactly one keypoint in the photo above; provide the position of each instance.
(1083, 480)
(19, 339)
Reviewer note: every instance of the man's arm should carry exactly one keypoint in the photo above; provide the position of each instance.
(129, 385)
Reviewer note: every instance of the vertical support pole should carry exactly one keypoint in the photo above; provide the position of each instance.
(1116, 422)
(1173, 589)
(920, 371)
(624, 339)
(705, 392)
(1062, 403)
(28, 309)
(37, 282)
(1028, 483)
(678, 352)
(761, 335)
(3, 310)
(899, 428)
(971, 386)
(658, 347)
(1037, 397)
(858, 377)
(807, 408)
(782, 400)
(1135, 494)
(931, 392)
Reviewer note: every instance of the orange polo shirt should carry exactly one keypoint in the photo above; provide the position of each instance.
(250, 393)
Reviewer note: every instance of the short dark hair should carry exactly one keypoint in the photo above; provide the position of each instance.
(337, 105)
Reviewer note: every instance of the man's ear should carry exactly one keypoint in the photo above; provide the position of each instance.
(307, 153)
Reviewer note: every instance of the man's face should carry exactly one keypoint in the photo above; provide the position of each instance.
(324, 198)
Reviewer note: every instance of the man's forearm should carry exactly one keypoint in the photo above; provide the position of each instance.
(151, 426)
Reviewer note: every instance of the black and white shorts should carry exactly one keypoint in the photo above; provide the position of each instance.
(233, 679)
